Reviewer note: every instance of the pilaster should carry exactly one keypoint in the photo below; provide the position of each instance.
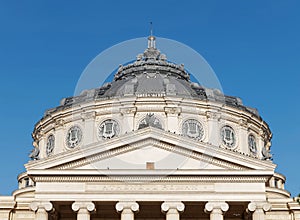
(243, 135)
(213, 119)
(89, 124)
(172, 118)
(59, 136)
(128, 117)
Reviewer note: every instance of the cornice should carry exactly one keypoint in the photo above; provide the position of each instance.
(113, 177)
(25, 190)
(281, 192)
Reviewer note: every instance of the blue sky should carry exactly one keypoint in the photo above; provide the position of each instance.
(253, 47)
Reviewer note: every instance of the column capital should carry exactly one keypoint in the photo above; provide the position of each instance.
(128, 111)
(261, 205)
(133, 206)
(166, 206)
(173, 110)
(221, 206)
(86, 205)
(34, 206)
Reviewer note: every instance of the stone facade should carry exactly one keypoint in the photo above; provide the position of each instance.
(151, 145)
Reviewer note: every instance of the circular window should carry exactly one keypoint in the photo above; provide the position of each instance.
(108, 129)
(228, 136)
(50, 144)
(193, 129)
(252, 144)
(74, 137)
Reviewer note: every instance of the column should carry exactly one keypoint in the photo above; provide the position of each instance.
(83, 209)
(127, 209)
(41, 209)
(258, 209)
(272, 182)
(279, 183)
(216, 210)
(172, 210)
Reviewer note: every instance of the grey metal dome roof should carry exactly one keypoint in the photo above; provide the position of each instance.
(152, 75)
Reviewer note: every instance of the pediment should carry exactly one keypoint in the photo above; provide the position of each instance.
(164, 149)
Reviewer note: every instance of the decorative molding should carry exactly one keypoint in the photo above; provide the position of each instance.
(142, 178)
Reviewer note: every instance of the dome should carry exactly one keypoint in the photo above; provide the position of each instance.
(151, 92)
(152, 75)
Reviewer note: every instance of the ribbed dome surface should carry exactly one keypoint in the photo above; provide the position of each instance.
(151, 74)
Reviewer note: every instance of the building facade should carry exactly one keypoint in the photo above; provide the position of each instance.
(151, 144)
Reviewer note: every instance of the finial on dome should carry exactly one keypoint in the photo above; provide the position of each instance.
(151, 28)
(151, 38)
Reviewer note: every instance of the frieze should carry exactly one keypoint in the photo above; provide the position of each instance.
(149, 108)
(151, 95)
(92, 187)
